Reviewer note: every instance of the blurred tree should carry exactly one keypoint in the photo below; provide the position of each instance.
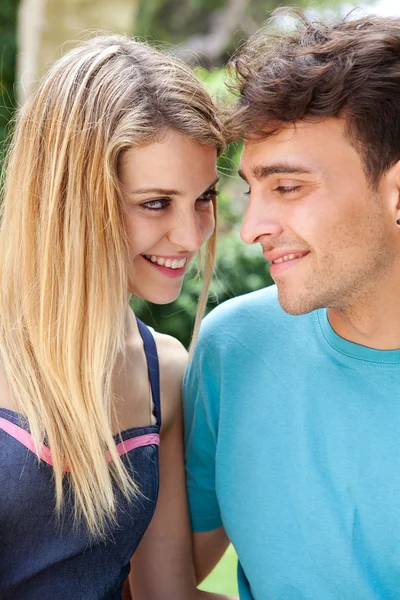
(209, 30)
(206, 29)
(45, 25)
(8, 51)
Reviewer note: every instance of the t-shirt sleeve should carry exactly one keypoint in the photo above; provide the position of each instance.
(200, 401)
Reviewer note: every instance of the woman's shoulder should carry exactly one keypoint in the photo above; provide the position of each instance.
(172, 356)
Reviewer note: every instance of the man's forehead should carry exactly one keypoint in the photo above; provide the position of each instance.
(299, 148)
(279, 133)
(254, 148)
(261, 162)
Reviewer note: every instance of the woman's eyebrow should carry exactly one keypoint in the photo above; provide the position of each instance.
(161, 191)
(213, 184)
(164, 191)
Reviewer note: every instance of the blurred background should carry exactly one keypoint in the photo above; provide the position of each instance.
(34, 33)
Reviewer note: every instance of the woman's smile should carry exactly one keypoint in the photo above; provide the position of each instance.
(169, 266)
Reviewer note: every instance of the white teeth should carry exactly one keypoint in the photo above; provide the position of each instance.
(166, 262)
(286, 258)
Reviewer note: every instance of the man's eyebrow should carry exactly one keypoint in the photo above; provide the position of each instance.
(166, 192)
(263, 171)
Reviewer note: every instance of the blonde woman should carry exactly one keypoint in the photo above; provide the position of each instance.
(109, 192)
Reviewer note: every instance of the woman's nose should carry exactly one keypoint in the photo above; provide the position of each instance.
(187, 231)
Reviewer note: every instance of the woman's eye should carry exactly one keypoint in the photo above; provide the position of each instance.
(208, 196)
(159, 204)
(247, 194)
(283, 189)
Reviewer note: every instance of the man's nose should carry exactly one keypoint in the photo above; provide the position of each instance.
(259, 220)
(186, 231)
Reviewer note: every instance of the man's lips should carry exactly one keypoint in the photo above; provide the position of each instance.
(282, 255)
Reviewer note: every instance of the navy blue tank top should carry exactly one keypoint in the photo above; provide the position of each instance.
(44, 556)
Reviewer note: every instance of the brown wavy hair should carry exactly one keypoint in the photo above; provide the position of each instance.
(350, 69)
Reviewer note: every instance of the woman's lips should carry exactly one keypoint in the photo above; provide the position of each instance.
(172, 273)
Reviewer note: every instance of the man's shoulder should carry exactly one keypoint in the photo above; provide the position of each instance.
(243, 312)
(255, 321)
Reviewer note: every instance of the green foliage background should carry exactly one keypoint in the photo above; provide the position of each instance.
(8, 51)
(240, 268)
(174, 21)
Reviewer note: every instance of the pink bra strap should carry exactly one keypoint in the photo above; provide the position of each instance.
(25, 438)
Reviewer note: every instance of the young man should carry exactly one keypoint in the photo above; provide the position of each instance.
(293, 396)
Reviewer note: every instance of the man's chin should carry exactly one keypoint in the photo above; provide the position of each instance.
(296, 304)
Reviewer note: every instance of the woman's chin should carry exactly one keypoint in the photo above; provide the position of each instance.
(157, 297)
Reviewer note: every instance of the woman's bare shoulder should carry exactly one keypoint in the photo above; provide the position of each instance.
(173, 358)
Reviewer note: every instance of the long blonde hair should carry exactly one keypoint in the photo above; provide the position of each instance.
(63, 248)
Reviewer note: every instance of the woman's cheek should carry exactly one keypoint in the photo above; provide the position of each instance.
(208, 226)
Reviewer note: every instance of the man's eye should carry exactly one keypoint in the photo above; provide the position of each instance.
(283, 189)
(159, 204)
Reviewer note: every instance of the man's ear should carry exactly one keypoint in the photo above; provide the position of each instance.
(389, 188)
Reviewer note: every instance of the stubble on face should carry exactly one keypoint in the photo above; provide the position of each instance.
(358, 255)
(309, 191)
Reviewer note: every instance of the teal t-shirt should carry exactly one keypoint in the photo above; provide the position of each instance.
(293, 445)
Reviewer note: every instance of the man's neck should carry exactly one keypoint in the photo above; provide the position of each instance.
(374, 323)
